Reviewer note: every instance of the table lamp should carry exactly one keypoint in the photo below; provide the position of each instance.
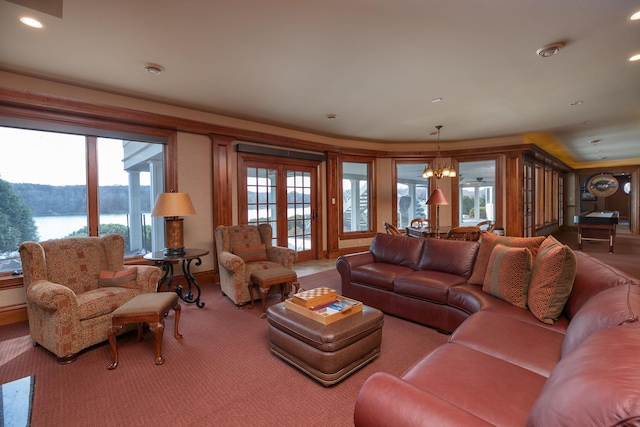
(171, 206)
(437, 198)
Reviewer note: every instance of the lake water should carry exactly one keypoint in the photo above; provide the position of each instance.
(57, 227)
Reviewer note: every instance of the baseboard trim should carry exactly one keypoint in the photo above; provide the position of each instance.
(13, 314)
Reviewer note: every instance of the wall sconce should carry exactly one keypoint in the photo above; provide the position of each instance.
(171, 206)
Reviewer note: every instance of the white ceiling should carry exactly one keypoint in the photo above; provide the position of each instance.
(376, 64)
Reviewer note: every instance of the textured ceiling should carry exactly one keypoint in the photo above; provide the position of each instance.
(376, 64)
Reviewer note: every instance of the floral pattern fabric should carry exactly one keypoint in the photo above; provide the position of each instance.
(67, 310)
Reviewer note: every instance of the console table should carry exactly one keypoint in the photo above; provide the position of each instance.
(166, 262)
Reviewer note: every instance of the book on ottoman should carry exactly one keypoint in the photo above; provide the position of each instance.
(314, 297)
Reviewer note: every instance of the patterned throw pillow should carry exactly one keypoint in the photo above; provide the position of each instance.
(488, 241)
(252, 253)
(122, 279)
(508, 274)
(552, 280)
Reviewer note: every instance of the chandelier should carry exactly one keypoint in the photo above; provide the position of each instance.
(435, 168)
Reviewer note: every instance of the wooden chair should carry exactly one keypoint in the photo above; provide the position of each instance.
(487, 226)
(470, 233)
(420, 223)
(391, 229)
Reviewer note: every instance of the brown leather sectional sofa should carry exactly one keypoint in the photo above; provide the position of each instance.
(501, 365)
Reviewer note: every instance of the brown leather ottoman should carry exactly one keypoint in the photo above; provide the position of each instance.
(327, 353)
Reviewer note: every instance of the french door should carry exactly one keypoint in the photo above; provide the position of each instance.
(283, 194)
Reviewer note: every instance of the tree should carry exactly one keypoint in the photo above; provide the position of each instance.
(16, 222)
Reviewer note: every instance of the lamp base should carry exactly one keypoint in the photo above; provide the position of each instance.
(174, 236)
(174, 251)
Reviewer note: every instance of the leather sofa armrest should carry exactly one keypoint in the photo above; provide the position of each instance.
(385, 400)
(147, 278)
(230, 262)
(49, 295)
(346, 263)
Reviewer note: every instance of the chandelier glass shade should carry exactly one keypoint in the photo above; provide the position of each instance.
(437, 168)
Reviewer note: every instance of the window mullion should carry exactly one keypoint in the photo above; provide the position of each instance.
(92, 185)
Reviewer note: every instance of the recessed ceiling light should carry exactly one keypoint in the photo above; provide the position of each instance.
(586, 122)
(576, 103)
(595, 141)
(635, 16)
(154, 69)
(32, 22)
(332, 116)
(635, 58)
(436, 100)
(549, 50)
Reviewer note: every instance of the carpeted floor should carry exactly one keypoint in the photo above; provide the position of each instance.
(221, 373)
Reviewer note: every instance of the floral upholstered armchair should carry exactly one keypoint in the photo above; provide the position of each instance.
(73, 285)
(243, 249)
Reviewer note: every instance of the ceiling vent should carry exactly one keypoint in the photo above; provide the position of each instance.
(549, 50)
(154, 69)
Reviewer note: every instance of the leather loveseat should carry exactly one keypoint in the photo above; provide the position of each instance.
(502, 365)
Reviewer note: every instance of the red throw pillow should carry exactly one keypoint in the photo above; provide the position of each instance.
(552, 280)
(122, 279)
(508, 275)
(252, 253)
(489, 240)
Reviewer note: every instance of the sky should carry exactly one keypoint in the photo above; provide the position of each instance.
(56, 159)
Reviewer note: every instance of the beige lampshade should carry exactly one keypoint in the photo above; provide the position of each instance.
(172, 205)
(437, 198)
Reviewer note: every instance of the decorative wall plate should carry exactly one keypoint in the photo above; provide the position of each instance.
(602, 185)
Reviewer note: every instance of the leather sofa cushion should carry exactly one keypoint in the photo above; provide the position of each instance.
(592, 277)
(379, 275)
(478, 383)
(594, 385)
(551, 280)
(449, 256)
(471, 299)
(489, 240)
(611, 307)
(399, 250)
(429, 285)
(522, 343)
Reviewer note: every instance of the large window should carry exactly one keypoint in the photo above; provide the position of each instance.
(55, 185)
(356, 197)
(477, 191)
(412, 192)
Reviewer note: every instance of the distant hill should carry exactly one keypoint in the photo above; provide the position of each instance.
(46, 200)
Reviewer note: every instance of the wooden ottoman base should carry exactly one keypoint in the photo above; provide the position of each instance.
(145, 308)
(327, 353)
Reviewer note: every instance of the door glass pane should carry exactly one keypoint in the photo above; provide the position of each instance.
(477, 191)
(262, 200)
(413, 192)
(43, 190)
(355, 197)
(299, 210)
(129, 179)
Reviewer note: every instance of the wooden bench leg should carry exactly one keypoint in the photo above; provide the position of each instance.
(177, 309)
(111, 333)
(159, 330)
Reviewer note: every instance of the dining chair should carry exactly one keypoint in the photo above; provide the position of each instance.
(469, 232)
(391, 229)
(420, 223)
